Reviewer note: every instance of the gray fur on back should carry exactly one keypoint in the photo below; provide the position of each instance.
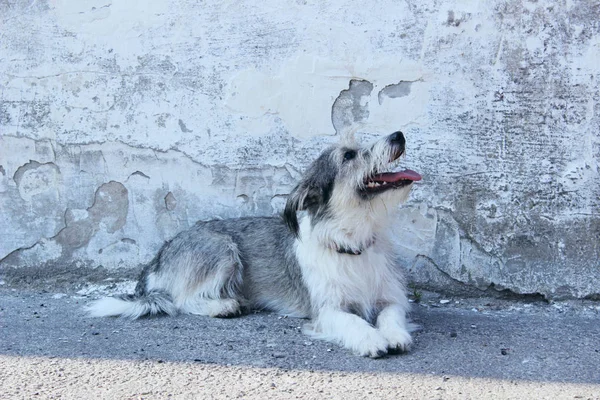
(269, 276)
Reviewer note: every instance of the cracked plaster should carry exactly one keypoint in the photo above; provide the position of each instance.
(123, 123)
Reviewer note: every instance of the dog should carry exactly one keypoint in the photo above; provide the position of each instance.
(328, 258)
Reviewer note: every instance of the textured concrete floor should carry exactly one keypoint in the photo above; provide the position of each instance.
(466, 349)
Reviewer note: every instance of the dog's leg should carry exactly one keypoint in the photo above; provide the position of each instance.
(217, 295)
(350, 331)
(392, 324)
(219, 308)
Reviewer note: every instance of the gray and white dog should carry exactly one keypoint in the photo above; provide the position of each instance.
(335, 264)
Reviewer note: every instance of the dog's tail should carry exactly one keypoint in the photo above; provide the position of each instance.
(133, 305)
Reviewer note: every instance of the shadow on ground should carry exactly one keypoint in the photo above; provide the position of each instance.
(495, 344)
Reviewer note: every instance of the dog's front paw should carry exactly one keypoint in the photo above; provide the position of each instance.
(374, 346)
(399, 340)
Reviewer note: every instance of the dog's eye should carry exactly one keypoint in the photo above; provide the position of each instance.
(349, 155)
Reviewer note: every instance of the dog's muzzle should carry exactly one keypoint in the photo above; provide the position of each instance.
(381, 182)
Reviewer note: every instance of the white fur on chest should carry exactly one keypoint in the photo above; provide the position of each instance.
(342, 280)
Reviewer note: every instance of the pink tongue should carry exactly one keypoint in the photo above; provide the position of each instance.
(407, 174)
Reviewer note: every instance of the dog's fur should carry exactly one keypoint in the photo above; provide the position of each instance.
(334, 265)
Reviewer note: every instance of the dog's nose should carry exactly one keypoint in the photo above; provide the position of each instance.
(397, 138)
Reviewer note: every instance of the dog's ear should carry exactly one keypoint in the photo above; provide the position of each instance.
(313, 191)
(296, 202)
(308, 195)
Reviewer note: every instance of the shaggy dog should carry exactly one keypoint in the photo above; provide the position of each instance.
(335, 264)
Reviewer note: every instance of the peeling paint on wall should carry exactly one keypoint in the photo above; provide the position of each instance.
(352, 106)
(122, 124)
(400, 89)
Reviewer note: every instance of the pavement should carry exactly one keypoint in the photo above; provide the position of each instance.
(467, 348)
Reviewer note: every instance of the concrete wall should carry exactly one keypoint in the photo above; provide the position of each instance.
(123, 122)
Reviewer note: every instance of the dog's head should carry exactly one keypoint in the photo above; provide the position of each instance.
(349, 179)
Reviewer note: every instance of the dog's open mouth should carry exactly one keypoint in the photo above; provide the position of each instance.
(390, 180)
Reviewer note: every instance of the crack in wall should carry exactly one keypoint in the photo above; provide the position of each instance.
(102, 142)
(138, 173)
(8, 259)
(184, 128)
(32, 164)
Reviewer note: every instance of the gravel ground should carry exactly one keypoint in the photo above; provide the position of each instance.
(466, 349)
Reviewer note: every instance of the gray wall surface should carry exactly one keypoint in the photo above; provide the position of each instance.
(124, 122)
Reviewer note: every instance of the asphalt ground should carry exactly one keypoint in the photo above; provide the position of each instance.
(467, 348)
